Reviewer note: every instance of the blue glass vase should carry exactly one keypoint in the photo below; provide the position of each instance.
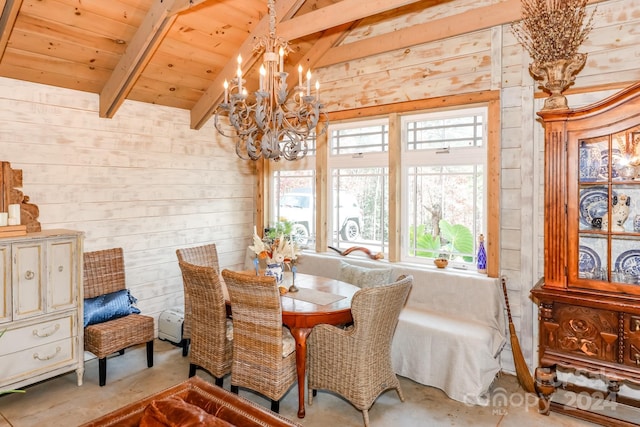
(482, 256)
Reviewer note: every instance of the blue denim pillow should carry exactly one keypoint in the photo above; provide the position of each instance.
(110, 306)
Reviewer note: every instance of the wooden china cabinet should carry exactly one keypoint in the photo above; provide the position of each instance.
(589, 298)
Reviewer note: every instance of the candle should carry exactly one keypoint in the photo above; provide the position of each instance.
(308, 82)
(226, 91)
(317, 90)
(3, 218)
(291, 243)
(13, 221)
(263, 72)
(281, 53)
(300, 75)
(255, 230)
(239, 73)
(256, 265)
(14, 212)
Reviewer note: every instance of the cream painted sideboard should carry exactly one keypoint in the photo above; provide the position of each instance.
(41, 307)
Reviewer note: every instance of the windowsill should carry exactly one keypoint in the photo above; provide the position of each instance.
(452, 268)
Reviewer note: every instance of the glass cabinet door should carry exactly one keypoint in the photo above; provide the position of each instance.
(608, 212)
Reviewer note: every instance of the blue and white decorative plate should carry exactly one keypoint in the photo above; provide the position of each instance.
(629, 262)
(588, 259)
(594, 203)
(604, 163)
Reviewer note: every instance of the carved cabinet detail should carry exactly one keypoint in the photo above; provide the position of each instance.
(582, 331)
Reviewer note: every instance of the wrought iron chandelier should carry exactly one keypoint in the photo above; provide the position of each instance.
(275, 125)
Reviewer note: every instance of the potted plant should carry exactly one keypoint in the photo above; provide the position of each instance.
(453, 238)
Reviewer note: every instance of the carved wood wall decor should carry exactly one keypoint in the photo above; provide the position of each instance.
(10, 193)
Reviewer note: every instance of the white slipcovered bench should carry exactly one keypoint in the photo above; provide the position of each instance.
(451, 331)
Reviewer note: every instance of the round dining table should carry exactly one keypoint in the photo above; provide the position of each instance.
(318, 300)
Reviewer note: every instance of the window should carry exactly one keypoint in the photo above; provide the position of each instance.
(444, 164)
(293, 201)
(359, 185)
(440, 181)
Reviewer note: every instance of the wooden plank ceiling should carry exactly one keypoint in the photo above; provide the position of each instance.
(177, 53)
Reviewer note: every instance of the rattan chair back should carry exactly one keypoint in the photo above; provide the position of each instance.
(103, 272)
(203, 255)
(259, 361)
(211, 343)
(356, 362)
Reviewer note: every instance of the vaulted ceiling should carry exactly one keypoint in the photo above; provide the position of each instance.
(178, 52)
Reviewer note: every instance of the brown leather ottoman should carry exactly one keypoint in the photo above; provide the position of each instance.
(215, 400)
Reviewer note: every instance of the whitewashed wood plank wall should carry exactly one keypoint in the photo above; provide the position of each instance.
(144, 181)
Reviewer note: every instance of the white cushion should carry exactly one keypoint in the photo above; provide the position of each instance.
(364, 277)
(229, 330)
(288, 343)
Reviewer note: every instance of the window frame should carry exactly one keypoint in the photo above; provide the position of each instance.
(491, 98)
(440, 156)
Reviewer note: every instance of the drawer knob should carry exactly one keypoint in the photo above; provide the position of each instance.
(637, 357)
(46, 334)
(51, 356)
(636, 325)
(60, 268)
(29, 275)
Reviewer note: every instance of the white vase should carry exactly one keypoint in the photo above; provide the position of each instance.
(275, 270)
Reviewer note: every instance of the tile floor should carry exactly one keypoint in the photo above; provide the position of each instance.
(60, 402)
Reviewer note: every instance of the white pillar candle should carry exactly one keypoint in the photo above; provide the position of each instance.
(13, 221)
(3, 218)
(14, 211)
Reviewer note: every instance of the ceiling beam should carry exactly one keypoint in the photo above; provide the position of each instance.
(10, 9)
(437, 29)
(472, 20)
(334, 15)
(327, 40)
(145, 42)
(205, 107)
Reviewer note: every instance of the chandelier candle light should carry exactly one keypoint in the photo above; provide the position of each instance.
(275, 126)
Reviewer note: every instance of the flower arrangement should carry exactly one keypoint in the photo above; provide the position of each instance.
(277, 251)
(552, 30)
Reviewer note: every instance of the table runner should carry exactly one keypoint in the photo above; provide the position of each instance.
(314, 296)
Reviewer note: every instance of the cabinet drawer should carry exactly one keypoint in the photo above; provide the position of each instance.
(37, 334)
(36, 360)
(582, 331)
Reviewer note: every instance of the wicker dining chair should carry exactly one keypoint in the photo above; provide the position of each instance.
(204, 255)
(356, 362)
(264, 357)
(211, 330)
(104, 274)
